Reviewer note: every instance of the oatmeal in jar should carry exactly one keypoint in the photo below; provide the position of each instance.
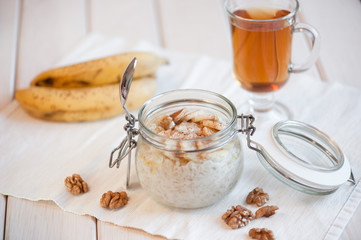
(189, 157)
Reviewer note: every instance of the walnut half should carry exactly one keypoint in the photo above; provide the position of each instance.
(261, 234)
(257, 196)
(76, 185)
(237, 217)
(114, 200)
(266, 211)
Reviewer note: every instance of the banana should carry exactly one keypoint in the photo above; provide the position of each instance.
(98, 72)
(83, 104)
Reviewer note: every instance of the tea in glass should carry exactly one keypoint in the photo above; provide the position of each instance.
(262, 54)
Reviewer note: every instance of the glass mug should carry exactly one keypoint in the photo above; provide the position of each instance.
(262, 34)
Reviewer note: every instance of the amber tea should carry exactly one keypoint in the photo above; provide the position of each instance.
(262, 33)
(261, 52)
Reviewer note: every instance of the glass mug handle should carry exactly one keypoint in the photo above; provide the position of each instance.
(315, 40)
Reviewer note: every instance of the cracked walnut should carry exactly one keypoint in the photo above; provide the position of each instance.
(257, 196)
(114, 200)
(261, 234)
(237, 217)
(266, 211)
(76, 185)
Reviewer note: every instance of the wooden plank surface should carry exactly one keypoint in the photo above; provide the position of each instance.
(2, 215)
(133, 20)
(48, 31)
(44, 220)
(9, 21)
(199, 27)
(338, 24)
(110, 231)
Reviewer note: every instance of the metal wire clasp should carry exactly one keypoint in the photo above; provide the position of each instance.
(248, 128)
(126, 145)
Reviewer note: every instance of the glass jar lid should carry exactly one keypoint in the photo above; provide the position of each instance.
(301, 156)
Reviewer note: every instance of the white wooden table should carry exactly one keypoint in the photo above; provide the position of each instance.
(34, 34)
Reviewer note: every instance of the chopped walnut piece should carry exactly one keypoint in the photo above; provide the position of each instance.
(190, 136)
(213, 124)
(261, 234)
(177, 116)
(171, 134)
(191, 116)
(199, 116)
(237, 217)
(76, 185)
(207, 131)
(166, 122)
(188, 128)
(257, 196)
(266, 211)
(114, 200)
(187, 125)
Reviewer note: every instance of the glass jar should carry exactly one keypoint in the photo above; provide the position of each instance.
(193, 173)
(188, 173)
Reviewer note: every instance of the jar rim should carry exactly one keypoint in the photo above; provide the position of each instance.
(196, 92)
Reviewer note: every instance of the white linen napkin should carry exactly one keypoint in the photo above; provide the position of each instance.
(36, 156)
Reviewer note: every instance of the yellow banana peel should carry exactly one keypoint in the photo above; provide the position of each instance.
(83, 104)
(89, 90)
(100, 71)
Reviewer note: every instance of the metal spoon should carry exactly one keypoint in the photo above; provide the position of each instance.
(125, 84)
(128, 143)
(124, 91)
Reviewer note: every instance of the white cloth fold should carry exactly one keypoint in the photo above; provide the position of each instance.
(36, 156)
